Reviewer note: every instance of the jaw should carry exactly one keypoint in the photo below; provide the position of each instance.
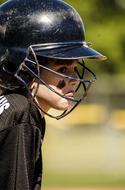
(60, 103)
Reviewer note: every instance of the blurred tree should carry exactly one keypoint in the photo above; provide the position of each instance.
(1, 1)
(104, 23)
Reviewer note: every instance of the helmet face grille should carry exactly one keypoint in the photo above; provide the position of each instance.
(83, 84)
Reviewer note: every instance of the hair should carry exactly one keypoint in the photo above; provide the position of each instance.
(9, 83)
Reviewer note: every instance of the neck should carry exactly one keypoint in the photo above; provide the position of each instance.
(42, 105)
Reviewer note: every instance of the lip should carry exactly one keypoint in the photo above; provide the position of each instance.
(70, 94)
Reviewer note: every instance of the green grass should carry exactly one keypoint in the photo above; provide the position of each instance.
(89, 180)
(79, 157)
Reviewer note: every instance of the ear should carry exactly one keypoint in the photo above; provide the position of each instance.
(33, 87)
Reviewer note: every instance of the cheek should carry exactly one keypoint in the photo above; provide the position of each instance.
(44, 92)
(51, 99)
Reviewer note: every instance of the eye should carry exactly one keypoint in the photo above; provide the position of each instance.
(62, 70)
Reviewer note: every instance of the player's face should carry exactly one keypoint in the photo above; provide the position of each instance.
(48, 99)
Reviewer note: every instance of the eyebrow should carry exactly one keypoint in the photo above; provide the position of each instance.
(64, 62)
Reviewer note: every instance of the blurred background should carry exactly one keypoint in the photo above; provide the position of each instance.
(87, 148)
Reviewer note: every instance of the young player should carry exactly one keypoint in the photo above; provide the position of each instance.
(41, 47)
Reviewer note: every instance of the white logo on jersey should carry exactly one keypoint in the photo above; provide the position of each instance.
(4, 104)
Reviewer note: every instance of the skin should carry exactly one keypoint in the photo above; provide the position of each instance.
(47, 99)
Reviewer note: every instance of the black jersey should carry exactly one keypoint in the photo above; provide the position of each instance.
(21, 134)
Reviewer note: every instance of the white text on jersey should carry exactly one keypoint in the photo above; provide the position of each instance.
(4, 104)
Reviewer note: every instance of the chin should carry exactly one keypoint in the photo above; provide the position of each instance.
(63, 105)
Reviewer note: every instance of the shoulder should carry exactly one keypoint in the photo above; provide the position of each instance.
(11, 107)
(17, 99)
(13, 102)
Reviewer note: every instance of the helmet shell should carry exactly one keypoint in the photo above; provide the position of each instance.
(30, 22)
(53, 24)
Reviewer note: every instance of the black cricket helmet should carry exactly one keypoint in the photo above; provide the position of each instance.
(45, 29)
